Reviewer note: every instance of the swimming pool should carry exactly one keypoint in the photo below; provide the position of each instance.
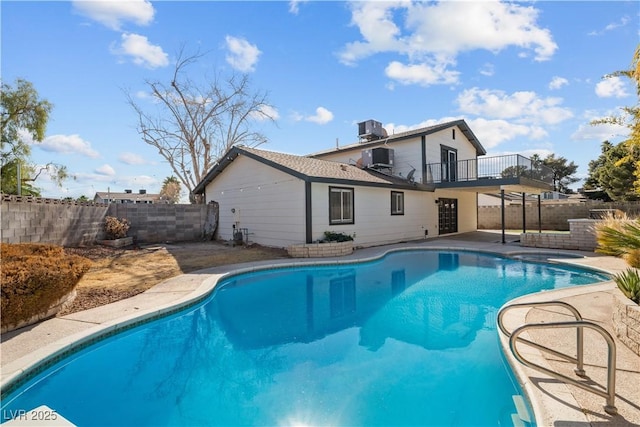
(408, 339)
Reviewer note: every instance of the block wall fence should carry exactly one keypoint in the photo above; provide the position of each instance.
(25, 220)
(555, 216)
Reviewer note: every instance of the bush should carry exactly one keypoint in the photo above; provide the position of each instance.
(116, 228)
(620, 237)
(330, 236)
(629, 283)
(34, 278)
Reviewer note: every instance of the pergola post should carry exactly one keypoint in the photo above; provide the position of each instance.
(502, 214)
(524, 215)
(539, 216)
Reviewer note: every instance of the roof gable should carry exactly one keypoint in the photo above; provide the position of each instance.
(461, 124)
(309, 169)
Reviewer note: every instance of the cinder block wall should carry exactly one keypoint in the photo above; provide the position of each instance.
(151, 223)
(555, 216)
(27, 219)
(581, 236)
(31, 220)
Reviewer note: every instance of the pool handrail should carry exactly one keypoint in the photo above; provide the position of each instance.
(579, 324)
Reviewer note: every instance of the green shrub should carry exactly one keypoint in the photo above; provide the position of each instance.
(629, 283)
(34, 277)
(330, 236)
(619, 237)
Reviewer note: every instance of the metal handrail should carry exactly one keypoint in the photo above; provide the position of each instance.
(579, 324)
(579, 360)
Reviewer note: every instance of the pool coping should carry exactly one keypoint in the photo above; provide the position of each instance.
(180, 296)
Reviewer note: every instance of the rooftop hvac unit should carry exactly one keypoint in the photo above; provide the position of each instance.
(370, 130)
(380, 157)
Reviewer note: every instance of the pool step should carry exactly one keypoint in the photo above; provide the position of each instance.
(522, 414)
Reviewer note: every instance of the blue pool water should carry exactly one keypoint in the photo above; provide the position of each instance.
(409, 339)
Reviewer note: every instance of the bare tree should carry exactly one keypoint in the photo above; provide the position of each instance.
(194, 125)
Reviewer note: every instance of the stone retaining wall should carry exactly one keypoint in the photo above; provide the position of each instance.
(320, 250)
(581, 236)
(626, 322)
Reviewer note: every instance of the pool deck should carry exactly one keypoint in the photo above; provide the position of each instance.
(555, 403)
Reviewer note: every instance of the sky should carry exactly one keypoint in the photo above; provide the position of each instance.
(528, 77)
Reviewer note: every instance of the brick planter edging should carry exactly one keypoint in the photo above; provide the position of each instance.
(626, 321)
(581, 236)
(320, 250)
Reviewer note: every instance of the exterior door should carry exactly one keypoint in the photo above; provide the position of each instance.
(449, 160)
(447, 216)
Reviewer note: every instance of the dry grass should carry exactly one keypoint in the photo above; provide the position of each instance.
(122, 273)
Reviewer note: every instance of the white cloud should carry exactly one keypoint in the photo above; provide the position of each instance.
(487, 70)
(105, 170)
(132, 159)
(72, 144)
(265, 112)
(141, 52)
(294, 6)
(541, 152)
(322, 116)
(602, 132)
(421, 74)
(524, 106)
(113, 13)
(492, 133)
(429, 33)
(243, 55)
(611, 87)
(558, 82)
(612, 26)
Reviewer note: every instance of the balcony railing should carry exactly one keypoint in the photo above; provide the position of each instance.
(488, 168)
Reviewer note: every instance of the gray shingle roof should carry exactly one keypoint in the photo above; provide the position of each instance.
(315, 168)
(310, 169)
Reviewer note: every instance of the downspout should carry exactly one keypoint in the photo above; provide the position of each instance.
(423, 144)
(307, 212)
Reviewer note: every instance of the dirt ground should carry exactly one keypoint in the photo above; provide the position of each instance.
(122, 273)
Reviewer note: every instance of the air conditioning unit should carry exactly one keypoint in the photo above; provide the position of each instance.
(380, 157)
(370, 130)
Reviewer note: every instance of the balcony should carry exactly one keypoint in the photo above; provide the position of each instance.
(511, 172)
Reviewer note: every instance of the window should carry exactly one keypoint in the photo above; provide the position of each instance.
(340, 205)
(342, 296)
(453, 134)
(397, 203)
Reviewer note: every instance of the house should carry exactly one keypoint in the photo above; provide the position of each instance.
(127, 196)
(382, 189)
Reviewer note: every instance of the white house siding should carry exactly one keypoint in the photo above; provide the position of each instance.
(465, 149)
(407, 155)
(408, 152)
(467, 208)
(268, 202)
(374, 224)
